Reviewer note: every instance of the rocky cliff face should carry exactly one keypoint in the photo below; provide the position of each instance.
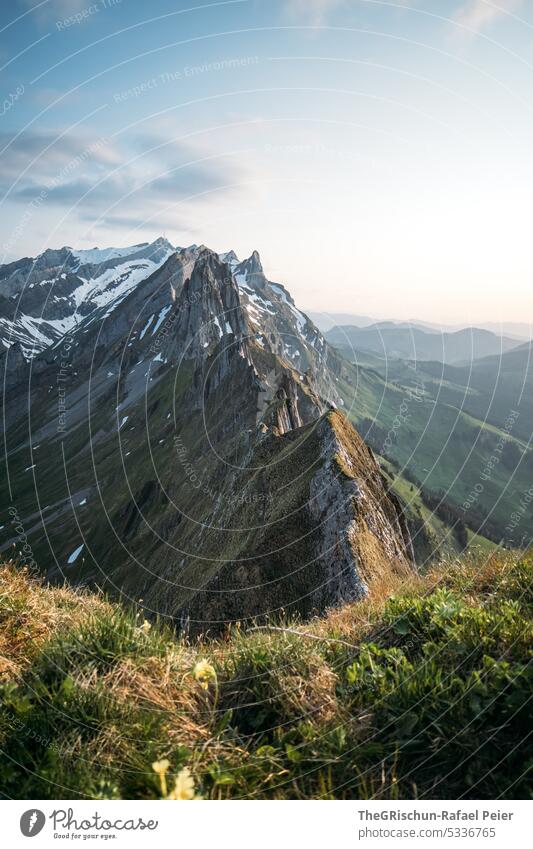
(180, 443)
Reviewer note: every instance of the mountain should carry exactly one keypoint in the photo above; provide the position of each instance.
(181, 441)
(491, 388)
(412, 343)
(45, 297)
(514, 329)
(325, 321)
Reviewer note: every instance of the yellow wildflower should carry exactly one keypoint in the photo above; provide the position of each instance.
(204, 672)
(161, 768)
(184, 786)
(146, 625)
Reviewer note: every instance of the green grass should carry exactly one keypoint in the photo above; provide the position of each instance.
(430, 535)
(423, 691)
(455, 419)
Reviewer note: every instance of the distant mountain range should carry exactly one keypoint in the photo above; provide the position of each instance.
(413, 343)
(457, 437)
(514, 330)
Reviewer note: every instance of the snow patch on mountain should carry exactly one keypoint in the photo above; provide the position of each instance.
(89, 297)
(96, 256)
(230, 258)
(300, 317)
(115, 283)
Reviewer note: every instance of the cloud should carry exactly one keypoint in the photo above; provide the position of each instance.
(313, 12)
(149, 174)
(54, 7)
(478, 14)
(53, 10)
(46, 155)
(132, 222)
(192, 180)
(67, 194)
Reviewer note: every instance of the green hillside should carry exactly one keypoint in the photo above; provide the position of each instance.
(461, 434)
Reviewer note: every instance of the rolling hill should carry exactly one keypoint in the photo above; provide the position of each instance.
(461, 434)
(414, 343)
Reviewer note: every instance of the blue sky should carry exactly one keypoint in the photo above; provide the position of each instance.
(377, 154)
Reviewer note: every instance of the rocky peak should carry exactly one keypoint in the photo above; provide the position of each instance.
(254, 263)
(230, 258)
(250, 271)
(41, 299)
(30, 270)
(13, 365)
(93, 262)
(52, 260)
(162, 242)
(287, 415)
(208, 307)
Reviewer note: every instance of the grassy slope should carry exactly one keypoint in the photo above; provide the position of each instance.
(430, 534)
(423, 693)
(87, 457)
(137, 504)
(445, 423)
(495, 386)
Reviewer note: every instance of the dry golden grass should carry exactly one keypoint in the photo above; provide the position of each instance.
(163, 685)
(278, 717)
(30, 613)
(311, 694)
(481, 572)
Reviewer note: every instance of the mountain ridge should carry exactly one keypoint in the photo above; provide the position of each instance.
(414, 343)
(325, 321)
(181, 390)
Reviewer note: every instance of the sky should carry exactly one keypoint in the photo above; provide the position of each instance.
(377, 154)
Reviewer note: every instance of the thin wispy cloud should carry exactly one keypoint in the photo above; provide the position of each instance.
(53, 10)
(116, 183)
(479, 14)
(313, 12)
